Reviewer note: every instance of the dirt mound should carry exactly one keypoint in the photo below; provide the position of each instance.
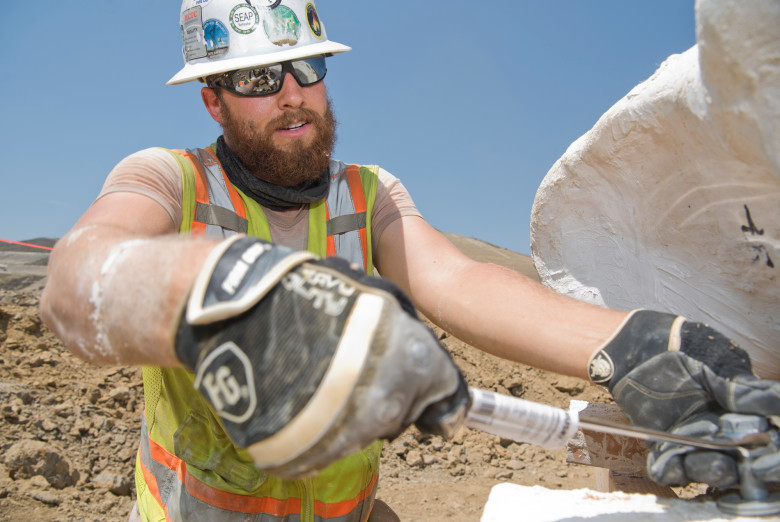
(69, 429)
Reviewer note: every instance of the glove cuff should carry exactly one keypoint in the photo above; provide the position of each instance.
(642, 335)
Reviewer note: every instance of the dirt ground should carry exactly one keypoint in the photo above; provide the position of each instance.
(69, 429)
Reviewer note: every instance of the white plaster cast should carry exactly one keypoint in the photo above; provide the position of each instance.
(672, 200)
(512, 502)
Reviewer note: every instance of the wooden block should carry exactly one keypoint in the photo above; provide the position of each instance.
(630, 483)
(622, 458)
(604, 450)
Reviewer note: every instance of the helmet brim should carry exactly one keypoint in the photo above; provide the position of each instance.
(193, 72)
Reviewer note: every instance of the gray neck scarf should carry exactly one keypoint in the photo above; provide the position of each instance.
(269, 195)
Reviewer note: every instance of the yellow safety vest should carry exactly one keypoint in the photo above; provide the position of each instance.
(187, 468)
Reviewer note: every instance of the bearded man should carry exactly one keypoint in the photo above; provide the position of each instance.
(239, 277)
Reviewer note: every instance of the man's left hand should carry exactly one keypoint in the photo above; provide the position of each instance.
(679, 376)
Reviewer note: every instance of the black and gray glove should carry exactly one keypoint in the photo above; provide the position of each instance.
(679, 376)
(307, 360)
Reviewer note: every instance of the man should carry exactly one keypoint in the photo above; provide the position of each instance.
(206, 267)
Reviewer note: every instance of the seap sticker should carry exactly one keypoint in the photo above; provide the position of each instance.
(217, 39)
(244, 18)
(314, 20)
(282, 26)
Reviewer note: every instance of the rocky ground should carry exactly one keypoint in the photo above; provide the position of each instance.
(69, 429)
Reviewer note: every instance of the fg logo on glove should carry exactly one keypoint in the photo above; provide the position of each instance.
(226, 378)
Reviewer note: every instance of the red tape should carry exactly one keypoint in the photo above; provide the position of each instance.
(25, 244)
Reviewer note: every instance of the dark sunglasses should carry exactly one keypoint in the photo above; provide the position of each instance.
(268, 79)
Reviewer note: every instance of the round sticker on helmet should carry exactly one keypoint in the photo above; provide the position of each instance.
(243, 18)
(314, 20)
(282, 26)
(270, 4)
(217, 39)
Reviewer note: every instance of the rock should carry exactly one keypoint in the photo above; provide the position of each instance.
(94, 395)
(120, 395)
(47, 497)
(570, 386)
(515, 464)
(47, 425)
(414, 458)
(28, 458)
(458, 471)
(504, 475)
(114, 482)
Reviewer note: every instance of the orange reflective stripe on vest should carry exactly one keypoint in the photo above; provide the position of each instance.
(359, 199)
(201, 188)
(158, 465)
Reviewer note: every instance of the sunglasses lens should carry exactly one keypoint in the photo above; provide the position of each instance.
(257, 80)
(309, 71)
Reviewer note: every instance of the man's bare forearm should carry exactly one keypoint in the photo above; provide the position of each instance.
(491, 307)
(513, 317)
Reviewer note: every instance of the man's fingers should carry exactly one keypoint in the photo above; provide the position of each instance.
(667, 467)
(711, 467)
(767, 468)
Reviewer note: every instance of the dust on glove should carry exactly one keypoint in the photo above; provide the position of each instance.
(671, 374)
(307, 361)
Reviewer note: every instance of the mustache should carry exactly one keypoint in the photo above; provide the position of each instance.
(288, 118)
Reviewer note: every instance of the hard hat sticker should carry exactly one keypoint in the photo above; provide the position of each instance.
(282, 26)
(192, 34)
(314, 20)
(270, 4)
(244, 18)
(217, 39)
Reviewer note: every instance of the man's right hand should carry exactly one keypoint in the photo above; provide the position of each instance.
(306, 361)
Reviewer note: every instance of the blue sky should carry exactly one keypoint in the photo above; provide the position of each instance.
(469, 103)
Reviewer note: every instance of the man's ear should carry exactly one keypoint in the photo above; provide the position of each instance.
(212, 103)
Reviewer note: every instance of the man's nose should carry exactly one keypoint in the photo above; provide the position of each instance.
(291, 94)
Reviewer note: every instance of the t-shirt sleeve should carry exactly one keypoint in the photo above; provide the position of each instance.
(153, 173)
(392, 202)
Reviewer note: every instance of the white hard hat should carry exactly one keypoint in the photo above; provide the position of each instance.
(225, 35)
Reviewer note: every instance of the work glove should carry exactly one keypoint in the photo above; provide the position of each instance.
(670, 374)
(307, 361)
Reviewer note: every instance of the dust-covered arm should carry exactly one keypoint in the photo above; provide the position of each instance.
(116, 282)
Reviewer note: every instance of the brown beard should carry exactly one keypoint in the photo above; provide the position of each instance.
(295, 166)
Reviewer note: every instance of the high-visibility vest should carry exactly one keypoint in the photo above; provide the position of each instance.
(187, 468)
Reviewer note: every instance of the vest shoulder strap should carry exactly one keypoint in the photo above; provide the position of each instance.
(340, 225)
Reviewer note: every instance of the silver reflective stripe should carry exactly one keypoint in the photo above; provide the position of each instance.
(348, 223)
(344, 224)
(220, 216)
(341, 207)
(181, 506)
(219, 197)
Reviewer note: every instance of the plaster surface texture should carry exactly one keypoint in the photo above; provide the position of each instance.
(511, 502)
(672, 200)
